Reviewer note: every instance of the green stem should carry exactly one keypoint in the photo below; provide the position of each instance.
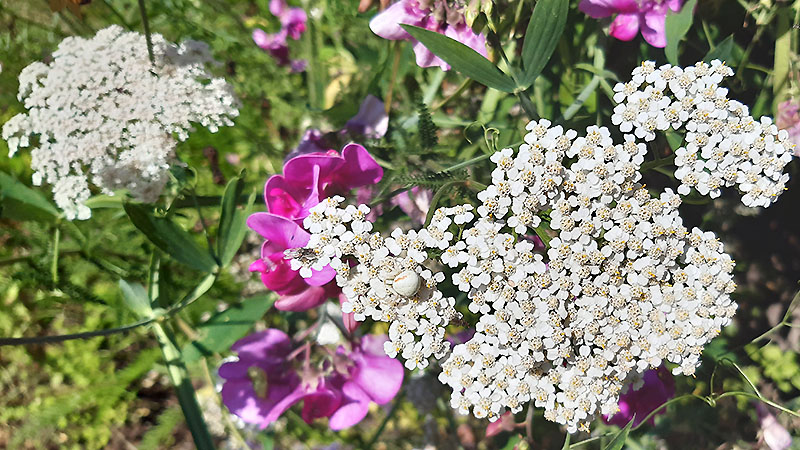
(54, 264)
(467, 163)
(179, 376)
(649, 165)
(147, 37)
(385, 421)
(461, 88)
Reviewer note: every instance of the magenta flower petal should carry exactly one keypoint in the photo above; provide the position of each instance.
(310, 297)
(353, 410)
(294, 22)
(377, 374)
(387, 23)
(320, 403)
(359, 169)
(653, 29)
(349, 319)
(625, 26)
(604, 8)
(278, 7)
(280, 232)
(270, 346)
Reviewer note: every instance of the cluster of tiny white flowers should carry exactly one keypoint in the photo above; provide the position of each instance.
(384, 278)
(626, 286)
(100, 112)
(725, 146)
(623, 286)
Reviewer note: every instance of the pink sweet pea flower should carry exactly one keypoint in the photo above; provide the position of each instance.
(261, 355)
(295, 292)
(436, 16)
(357, 376)
(371, 121)
(310, 178)
(649, 16)
(293, 20)
(371, 377)
(789, 119)
(772, 432)
(659, 386)
(293, 24)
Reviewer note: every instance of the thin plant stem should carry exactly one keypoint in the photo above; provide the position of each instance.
(56, 242)
(385, 421)
(395, 67)
(529, 423)
(147, 37)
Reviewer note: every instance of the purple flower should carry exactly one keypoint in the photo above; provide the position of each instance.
(295, 292)
(263, 383)
(789, 119)
(293, 24)
(371, 120)
(434, 15)
(774, 434)
(262, 363)
(659, 386)
(633, 15)
(308, 179)
(415, 204)
(293, 20)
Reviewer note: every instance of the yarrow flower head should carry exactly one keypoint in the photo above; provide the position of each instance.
(724, 145)
(649, 16)
(270, 376)
(442, 16)
(622, 286)
(101, 113)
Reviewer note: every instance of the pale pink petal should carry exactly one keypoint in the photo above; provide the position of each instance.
(387, 23)
(354, 409)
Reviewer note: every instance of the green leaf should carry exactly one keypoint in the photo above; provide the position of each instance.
(566, 442)
(19, 202)
(674, 139)
(543, 231)
(620, 438)
(135, 298)
(170, 238)
(677, 25)
(226, 327)
(541, 37)
(463, 59)
(232, 220)
(723, 51)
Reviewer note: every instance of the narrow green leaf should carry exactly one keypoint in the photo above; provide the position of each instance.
(541, 37)
(463, 59)
(19, 202)
(723, 51)
(170, 238)
(566, 442)
(226, 327)
(135, 297)
(677, 25)
(674, 139)
(232, 220)
(620, 438)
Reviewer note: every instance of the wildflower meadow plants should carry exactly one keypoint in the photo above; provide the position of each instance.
(407, 224)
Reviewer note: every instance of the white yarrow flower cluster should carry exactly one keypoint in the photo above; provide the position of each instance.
(101, 113)
(725, 146)
(385, 278)
(626, 285)
(622, 287)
